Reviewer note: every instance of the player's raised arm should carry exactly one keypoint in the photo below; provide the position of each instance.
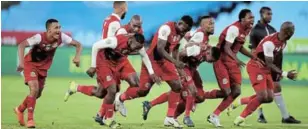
(163, 33)
(232, 33)
(148, 65)
(68, 40)
(36, 39)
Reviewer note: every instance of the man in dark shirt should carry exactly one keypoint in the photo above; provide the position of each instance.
(259, 31)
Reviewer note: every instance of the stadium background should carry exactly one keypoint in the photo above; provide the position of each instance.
(83, 21)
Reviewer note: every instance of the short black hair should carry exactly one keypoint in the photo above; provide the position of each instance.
(264, 8)
(139, 38)
(117, 3)
(215, 53)
(243, 14)
(49, 21)
(188, 20)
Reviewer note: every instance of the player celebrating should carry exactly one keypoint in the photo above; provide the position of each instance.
(196, 52)
(258, 32)
(107, 69)
(165, 41)
(260, 77)
(227, 68)
(130, 76)
(36, 63)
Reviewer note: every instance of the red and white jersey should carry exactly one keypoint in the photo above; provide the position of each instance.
(199, 37)
(42, 52)
(270, 46)
(127, 29)
(165, 32)
(234, 34)
(111, 25)
(195, 54)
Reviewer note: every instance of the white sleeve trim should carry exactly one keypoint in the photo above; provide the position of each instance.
(232, 33)
(110, 42)
(197, 37)
(112, 28)
(65, 38)
(146, 60)
(121, 31)
(163, 32)
(268, 49)
(193, 50)
(35, 39)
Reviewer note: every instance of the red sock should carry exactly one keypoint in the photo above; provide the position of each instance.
(160, 99)
(189, 104)
(85, 89)
(223, 105)
(22, 107)
(130, 93)
(173, 100)
(251, 107)
(109, 108)
(211, 94)
(31, 101)
(246, 100)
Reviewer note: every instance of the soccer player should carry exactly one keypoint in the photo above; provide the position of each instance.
(108, 70)
(110, 26)
(227, 68)
(165, 41)
(37, 62)
(260, 77)
(197, 51)
(258, 32)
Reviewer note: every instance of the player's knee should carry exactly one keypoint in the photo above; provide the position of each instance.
(226, 93)
(112, 90)
(277, 89)
(99, 95)
(270, 99)
(236, 93)
(199, 99)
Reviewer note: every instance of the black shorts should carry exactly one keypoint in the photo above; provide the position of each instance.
(278, 62)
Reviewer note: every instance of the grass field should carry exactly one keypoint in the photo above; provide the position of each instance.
(52, 113)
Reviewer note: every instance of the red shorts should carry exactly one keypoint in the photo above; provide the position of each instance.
(261, 80)
(32, 73)
(108, 74)
(227, 74)
(193, 78)
(163, 69)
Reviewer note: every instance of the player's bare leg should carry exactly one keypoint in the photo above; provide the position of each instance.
(29, 104)
(133, 82)
(286, 117)
(262, 96)
(173, 100)
(108, 107)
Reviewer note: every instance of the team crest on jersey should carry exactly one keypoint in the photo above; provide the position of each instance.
(243, 36)
(259, 77)
(108, 78)
(54, 45)
(147, 85)
(184, 93)
(32, 74)
(188, 78)
(224, 81)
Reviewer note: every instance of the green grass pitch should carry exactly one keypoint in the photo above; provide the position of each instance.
(53, 113)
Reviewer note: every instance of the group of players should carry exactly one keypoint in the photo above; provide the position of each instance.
(163, 61)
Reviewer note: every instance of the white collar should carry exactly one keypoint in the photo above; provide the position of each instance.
(116, 15)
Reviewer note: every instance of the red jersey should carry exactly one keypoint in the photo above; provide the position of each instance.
(200, 37)
(167, 32)
(119, 53)
(112, 20)
(236, 33)
(273, 47)
(198, 55)
(43, 51)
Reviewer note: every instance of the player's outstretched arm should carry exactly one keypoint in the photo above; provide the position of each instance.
(78, 47)
(148, 65)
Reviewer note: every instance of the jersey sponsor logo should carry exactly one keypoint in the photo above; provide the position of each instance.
(259, 77)
(224, 81)
(108, 78)
(188, 78)
(184, 93)
(32, 74)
